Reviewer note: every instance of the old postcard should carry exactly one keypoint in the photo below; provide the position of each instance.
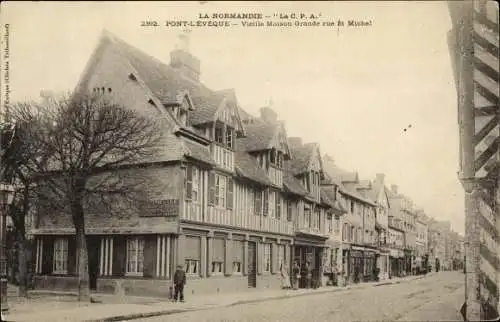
(250, 161)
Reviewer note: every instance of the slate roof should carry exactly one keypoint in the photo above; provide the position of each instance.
(167, 83)
(258, 136)
(197, 151)
(328, 198)
(293, 185)
(301, 158)
(247, 167)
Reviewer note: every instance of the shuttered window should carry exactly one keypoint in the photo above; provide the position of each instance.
(192, 253)
(289, 207)
(218, 252)
(238, 256)
(229, 196)
(266, 202)
(258, 202)
(278, 205)
(60, 256)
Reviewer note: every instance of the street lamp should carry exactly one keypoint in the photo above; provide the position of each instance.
(6, 197)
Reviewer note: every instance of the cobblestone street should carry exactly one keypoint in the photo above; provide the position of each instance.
(437, 297)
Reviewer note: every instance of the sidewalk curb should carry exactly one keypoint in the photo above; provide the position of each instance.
(134, 316)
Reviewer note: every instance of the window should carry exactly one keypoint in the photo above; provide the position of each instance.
(281, 256)
(289, 206)
(337, 224)
(237, 267)
(317, 218)
(135, 256)
(219, 135)
(272, 201)
(60, 256)
(217, 267)
(220, 190)
(352, 206)
(278, 205)
(191, 266)
(267, 257)
(229, 138)
(192, 183)
(307, 217)
(330, 223)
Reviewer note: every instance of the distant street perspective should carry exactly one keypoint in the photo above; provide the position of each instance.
(433, 298)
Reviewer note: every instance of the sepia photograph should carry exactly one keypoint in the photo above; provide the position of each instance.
(247, 161)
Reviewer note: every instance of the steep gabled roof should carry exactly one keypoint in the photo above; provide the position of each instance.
(247, 167)
(328, 198)
(293, 185)
(259, 136)
(301, 158)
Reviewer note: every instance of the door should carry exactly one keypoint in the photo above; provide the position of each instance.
(93, 245)
(252, 264)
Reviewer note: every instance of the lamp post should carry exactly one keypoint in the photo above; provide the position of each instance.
(6, 197)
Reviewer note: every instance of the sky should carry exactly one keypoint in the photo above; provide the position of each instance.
(354, 90)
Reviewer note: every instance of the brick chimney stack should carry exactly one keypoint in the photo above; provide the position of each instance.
(268, 115)
(182, 60)
(394, 189)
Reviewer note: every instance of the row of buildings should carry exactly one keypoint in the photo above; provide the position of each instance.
(231, 197)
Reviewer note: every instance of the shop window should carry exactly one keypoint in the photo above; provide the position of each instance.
(60, 256)
(217, 268)
(191, 266)
(281, 256)
(267, 257)
(135, 256)
(237, 267)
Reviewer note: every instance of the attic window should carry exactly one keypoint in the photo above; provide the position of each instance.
(182, 115)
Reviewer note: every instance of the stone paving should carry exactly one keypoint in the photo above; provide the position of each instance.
(50, 306)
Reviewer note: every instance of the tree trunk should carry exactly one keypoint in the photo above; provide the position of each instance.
(82, 252)
(23, 267)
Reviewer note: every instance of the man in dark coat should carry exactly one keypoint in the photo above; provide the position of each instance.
(179, 282)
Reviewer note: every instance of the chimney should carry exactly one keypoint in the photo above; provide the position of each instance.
(268, 115)
(182, 60)
(394, 189)
(295, 142)
(328, 159)
(380, 177)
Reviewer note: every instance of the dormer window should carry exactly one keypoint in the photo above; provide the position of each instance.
(229, 138)
(182, 116)
(219, 135)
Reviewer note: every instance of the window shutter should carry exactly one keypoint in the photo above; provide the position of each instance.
(258, 202)
(211, 189)
(266, 202)
(278, 206)
(48, 255)
(119, 255)
(189, 182)
(229, 193)
(72, 255)
(149, 255)
(289, 210)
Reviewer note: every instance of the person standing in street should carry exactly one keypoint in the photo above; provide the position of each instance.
(179, 282)
(296, 275)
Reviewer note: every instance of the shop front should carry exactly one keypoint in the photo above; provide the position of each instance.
(396, 258)
(309, 255)
(356, 265)
(369, 265)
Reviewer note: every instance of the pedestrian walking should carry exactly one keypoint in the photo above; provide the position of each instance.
(179, 282)
(285, 279)
(296, 275)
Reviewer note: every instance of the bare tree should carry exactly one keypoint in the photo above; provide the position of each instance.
(15, 154)
(85, 148)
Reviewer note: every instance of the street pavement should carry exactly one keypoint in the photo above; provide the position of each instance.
(437, 297)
